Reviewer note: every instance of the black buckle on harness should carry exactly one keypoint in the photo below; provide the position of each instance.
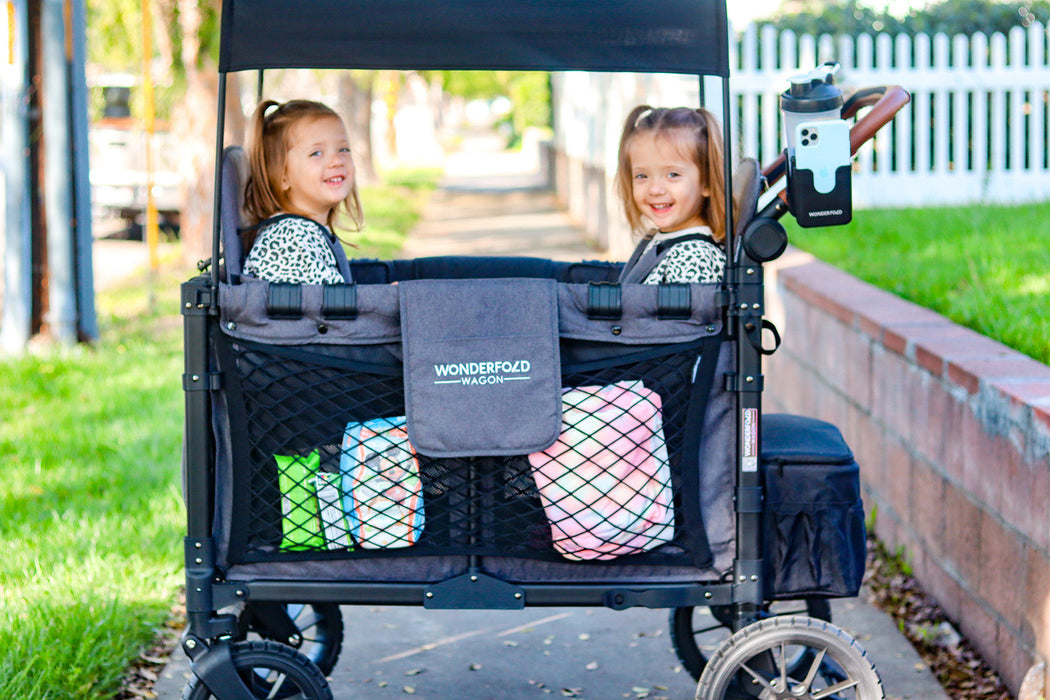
(604, 301)
(673, 301)
(284, 300)
(339, 302)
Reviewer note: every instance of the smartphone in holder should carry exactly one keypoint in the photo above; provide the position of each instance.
(820, 191)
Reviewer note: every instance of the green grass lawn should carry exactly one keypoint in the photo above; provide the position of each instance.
(984, 267)
(91, 515)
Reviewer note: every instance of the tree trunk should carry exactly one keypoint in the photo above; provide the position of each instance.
(195, 129)
(196, 132)
(356, 89)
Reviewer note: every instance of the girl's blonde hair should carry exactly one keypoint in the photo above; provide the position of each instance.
(267, 154)
(698, 135)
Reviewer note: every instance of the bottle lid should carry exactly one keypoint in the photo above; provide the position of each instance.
(813, 92)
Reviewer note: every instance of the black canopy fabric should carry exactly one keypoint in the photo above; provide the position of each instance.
(665, 36)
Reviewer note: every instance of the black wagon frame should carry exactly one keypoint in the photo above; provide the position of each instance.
(683, 36)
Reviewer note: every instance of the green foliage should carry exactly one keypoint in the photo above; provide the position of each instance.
(391, 209)
(90, 506)
(91, 515)
(984, 267)
(528, 92)
(948, 16)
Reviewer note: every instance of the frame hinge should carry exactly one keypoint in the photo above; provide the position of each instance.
(197, 300)
(211, 381)
(734, 382)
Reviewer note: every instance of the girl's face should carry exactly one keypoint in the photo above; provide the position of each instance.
(318, 167)
(665, 182)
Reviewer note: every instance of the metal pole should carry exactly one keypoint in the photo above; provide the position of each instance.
(81, 176)
(17, 320)
(58, 190)
(152, 234)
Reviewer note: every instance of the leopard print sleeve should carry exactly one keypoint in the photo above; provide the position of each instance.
(292, 249)
(696, 261)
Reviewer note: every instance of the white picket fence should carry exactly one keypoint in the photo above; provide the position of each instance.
(976, 131)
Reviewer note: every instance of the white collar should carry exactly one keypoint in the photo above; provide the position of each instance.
(661, 236)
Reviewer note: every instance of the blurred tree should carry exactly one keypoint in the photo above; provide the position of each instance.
(186, 48)
(949, 16)
(356, 92)
(528, 92)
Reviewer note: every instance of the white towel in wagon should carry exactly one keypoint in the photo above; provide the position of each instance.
(383, 495)
(605, 484)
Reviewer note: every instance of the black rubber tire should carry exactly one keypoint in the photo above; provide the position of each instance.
(837, 667)
(270, 670)
(320, 626)
(693, 628)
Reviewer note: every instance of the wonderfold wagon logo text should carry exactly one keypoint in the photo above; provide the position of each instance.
(478, 373)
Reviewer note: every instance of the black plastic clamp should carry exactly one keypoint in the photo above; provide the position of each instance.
(284, 300)
(339, 302)
(749, 499)
(674, 301)
(604, 301)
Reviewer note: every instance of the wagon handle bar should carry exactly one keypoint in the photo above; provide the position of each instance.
(885, 102)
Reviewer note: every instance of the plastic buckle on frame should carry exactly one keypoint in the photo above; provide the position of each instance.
(604, 301)
(284, 300)
(339, 302)
(673, 301)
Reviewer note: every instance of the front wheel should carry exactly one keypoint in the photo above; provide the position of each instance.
(270, 670)
(319, 627)
(697, 631)
(756, 663)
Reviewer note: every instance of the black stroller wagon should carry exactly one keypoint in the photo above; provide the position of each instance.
(496, 433)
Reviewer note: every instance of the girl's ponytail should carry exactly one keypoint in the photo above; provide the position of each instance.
(711, 160)
(260, 198)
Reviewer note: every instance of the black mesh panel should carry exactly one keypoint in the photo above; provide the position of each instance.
(323, 467)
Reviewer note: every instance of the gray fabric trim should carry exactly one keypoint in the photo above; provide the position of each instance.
(242, 314)
(415, 569)
(379, 316)
(638, 324)
(409, 569)
(482, 367)
(717, 469)
(533, 571)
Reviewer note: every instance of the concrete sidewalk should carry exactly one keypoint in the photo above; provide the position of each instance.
(561, 652)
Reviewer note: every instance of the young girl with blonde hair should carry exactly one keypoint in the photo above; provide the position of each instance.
(671, 181)
(300, 185)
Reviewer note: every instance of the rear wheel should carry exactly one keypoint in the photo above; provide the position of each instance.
(697, 631)
(270, 670)
(762, 661)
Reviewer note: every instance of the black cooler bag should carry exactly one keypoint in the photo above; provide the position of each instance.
(814, 534)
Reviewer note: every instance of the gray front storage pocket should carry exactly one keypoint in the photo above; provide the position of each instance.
(814, 532)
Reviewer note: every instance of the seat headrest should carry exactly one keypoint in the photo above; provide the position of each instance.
(231, 209)
(747, 186)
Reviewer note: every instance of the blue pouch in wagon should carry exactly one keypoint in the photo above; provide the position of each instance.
(382, 491)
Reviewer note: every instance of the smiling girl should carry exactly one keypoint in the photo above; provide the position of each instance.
(301, 183)
(671, 182)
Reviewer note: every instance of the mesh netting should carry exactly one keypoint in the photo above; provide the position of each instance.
(323, 467)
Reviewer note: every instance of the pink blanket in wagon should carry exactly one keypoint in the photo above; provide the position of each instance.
(605, 483)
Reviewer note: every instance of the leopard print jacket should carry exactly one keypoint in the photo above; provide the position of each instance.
(292, 248)
(696, 260)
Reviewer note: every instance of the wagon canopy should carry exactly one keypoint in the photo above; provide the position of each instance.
(667, 36)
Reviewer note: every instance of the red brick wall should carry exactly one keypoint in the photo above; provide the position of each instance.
(952, 432)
